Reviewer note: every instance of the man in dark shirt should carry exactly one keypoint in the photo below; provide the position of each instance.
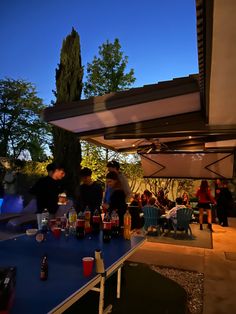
(46, 189)
(91, 192)
(224, 201)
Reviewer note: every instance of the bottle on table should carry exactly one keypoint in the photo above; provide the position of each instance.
(80, 224)
(87, 217)
(45, 220)
(44, 268)
(107, 228)
(72, 220)
(127, 225)
(115, 224)
(39, 221)
(96, 221)
(63, 222)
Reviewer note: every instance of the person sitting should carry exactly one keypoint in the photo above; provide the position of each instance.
(145, 197)
(172, 213)
(162, 200)
(136, 201)
(151, 216)
(185, 198)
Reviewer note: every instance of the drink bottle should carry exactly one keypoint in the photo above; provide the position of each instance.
(63, 222)
(106, 228)
(45, 220)
(80, 232)
(127, 225)
(44, 268)
(96, 220)
(87, 218)
(115, 224)
(72, 220)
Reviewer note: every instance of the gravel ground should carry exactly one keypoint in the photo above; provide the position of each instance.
(191, 281)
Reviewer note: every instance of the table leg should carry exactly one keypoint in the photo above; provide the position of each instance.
(118, 283)
(101, 295)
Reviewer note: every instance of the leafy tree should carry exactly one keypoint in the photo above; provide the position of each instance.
(106, 73)
(94, 158)
(133, 170)
(67, 148)
(171, 186)
(20, 123)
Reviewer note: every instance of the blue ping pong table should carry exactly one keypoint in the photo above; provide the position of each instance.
(66, 283)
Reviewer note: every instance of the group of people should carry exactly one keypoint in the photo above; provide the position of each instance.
(147, 198)
(117, 193)
(206, 202)
(222, 202)
(91, 194)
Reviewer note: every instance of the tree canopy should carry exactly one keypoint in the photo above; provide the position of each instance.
(67, 149)
(21, 126)
(106, 73)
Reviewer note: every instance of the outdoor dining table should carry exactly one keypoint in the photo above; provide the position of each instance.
(66, 282)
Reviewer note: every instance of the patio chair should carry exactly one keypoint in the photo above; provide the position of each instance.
(152, 218)
(182, 221)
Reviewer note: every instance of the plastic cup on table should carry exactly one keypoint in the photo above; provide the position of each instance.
(87, 265)
(56, 232)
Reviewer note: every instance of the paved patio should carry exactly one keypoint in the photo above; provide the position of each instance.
(217, 264)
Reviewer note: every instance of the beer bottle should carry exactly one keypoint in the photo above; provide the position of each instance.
(44, 268)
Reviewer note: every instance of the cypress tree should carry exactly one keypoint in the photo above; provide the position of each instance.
(69, 74)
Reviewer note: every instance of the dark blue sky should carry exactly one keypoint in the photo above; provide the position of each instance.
(158, 36)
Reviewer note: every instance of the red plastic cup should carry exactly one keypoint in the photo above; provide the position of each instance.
(87, 265)
(56, 232)
(52, 223)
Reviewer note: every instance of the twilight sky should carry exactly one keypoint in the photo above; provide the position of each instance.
(158, 36)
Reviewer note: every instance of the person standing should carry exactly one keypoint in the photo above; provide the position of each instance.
(90, 192)
(114, 166)
(205, 199)
(46, 189)
(224, 201)
(117, 199)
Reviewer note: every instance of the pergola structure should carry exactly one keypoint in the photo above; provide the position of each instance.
(192, 115)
